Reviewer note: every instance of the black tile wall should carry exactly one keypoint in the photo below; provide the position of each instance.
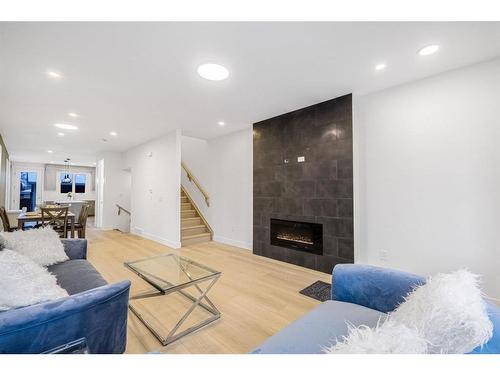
(318, 190)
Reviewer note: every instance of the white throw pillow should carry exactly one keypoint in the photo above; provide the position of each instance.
(387, 338)
(449, 313)
(446, 315)
(41, 245)
(24, 283)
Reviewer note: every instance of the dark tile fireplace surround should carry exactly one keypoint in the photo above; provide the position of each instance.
(303, 207)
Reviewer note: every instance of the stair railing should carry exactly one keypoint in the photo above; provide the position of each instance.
(195, 181)
(120, 209)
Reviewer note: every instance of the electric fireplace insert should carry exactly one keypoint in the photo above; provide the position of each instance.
(297, 235)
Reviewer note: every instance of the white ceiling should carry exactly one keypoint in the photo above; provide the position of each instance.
(140, 79)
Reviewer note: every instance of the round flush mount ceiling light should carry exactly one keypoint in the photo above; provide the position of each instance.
(114, 134)
(380, 66)
(53, 74)
(50, 151)
(66, 126)
(213, 72)
(428, 50)
(221, 123)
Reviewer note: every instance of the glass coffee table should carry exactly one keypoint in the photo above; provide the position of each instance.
(169, 273)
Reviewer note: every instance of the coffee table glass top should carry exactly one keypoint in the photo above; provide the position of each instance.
(169, 271)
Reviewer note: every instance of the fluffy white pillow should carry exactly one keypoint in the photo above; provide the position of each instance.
(446, 315)
(24, 283)
(449, 313)
(387, 338)
(41, 245)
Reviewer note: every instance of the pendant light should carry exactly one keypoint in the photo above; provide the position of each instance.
(67, 178)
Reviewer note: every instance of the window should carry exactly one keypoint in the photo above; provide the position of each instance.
(80, 183)
(72, 183)
(66, 183)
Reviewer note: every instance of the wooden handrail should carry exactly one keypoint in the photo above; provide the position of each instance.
(194, 180)
(120, 209)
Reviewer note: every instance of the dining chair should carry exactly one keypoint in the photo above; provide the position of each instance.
(81, 225)
(57, 218)
(5, 220)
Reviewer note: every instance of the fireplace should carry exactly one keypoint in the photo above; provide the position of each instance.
(297, 235)
(302, 171)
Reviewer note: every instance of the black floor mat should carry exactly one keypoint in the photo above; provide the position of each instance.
(318, 290)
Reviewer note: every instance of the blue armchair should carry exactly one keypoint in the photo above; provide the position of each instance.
(360, 295)
(93, 311)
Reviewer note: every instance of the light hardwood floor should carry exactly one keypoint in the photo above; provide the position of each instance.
(257, 296)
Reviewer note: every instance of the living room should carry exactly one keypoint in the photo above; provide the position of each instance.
(250, 188)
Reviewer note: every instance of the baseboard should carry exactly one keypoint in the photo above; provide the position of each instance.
(152, 237)
(228, 241)
(106, 228)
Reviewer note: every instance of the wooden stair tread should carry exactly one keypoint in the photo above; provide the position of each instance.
(194, 227)
(187, 219)
(196, 236)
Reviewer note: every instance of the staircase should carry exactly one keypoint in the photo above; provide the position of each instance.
(194, 228)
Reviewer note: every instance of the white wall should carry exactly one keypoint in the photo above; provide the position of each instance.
(428, 174)
(224, 166)
(232, 188)
(155, 188)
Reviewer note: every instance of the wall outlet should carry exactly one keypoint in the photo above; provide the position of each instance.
(301, 159)
(383, 255)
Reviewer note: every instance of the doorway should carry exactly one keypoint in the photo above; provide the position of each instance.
(27, 187)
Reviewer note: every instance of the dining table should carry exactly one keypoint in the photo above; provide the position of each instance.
(36, 216)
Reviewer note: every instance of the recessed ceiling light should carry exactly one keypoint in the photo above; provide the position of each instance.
(213, 72)
(114, 134)
(380, 67)
(60, 134)
(66, 126)
(428, 50)
(53, 74)
(221, 123)
(73, 114)
(50, 151)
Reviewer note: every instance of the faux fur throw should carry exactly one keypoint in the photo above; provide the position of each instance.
(41, 245)
(449, 312)
(386, 338)
(446, 315)
(23, 282)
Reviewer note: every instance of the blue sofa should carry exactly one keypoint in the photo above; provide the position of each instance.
(360, 295)
(93, 311)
